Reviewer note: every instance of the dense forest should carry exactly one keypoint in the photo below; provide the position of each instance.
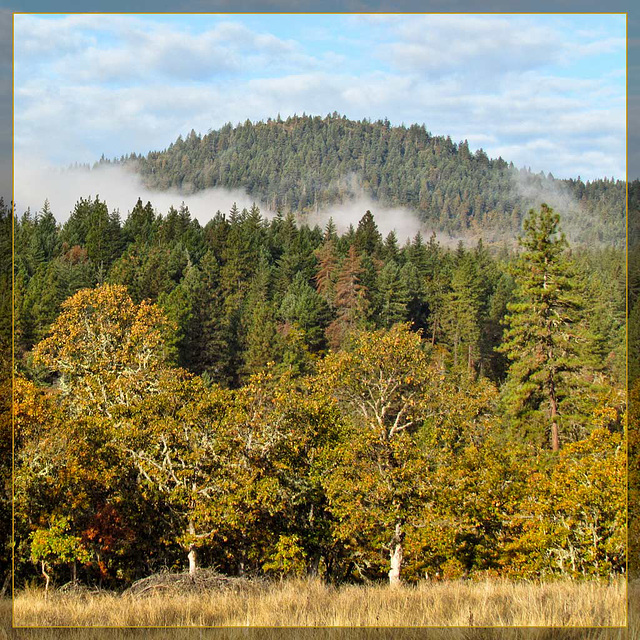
(271, 398)
(304, 164)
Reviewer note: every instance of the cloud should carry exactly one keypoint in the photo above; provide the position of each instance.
(485, 48)
(121, 50)
(442, 44)
(118, 84)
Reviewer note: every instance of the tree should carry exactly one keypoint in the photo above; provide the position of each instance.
(572, 515)
(261, 340)
(106, 349)
(376, 479)
(460, 315)
(327, 269)
(140, 224)
(177, 444)
(544, 324)
(350, 299)
(303, 306)
(74, 468)
(44, 242)
(393, 295)
(368, 239)
(54, 546)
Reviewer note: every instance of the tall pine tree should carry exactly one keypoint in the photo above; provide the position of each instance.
(546, 336)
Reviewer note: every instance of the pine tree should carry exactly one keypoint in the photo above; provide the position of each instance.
(460, 314)
(261, 340)
(367, 238)
(140, 224)
(350, 300)
(545, 332)
(393, 295)
(326, 272)
(45, 243)
(304, 306)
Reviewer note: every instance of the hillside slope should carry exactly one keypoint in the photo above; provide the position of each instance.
(306, 163)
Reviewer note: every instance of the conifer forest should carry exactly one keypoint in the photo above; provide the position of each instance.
(276, 398)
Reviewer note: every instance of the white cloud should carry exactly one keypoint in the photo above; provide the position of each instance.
(485, 48)
(116, 84)
(444, 44)
(120, 50)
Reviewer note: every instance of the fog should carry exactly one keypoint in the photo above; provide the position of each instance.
(573, 221)
(121, 187)
(546, 191)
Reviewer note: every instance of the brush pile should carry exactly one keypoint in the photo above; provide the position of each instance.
(203, 581)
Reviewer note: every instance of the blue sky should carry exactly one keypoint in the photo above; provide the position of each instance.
(546, 91)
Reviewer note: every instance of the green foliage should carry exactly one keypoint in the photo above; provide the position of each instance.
(305, 163)
(304, 307)
(572, 519)
(266, 452)
(288, 559)
(547, 340)
(55, 545)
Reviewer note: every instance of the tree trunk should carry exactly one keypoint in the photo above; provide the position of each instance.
(193, 558)
(555, 437)
(5, 584)
(395, 553)
(242, 556)
(46, 577)
(312, 568)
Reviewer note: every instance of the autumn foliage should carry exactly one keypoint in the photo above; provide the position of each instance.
(360, 452)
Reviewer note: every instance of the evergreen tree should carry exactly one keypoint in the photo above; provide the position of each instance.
(350, 299)
(327, 269)
(545, 336)
(368, 239)
(140, 224)
(392, 295)
(45, 242)
(460, 315)
(261, 340)
(303, 306)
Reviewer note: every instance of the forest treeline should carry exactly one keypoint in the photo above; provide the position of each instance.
(269, 398)
(304, 163)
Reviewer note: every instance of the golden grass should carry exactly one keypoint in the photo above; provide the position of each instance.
(311, 603)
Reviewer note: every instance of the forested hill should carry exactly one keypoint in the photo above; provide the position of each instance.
(306, 163)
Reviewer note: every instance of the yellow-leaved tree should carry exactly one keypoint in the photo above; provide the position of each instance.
(377, 475)
(106, 349)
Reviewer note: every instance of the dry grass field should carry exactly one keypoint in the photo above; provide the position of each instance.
(311, 603)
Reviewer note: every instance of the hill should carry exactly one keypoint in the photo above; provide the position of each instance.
(306, 163)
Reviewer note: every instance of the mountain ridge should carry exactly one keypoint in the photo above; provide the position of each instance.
(305, 163)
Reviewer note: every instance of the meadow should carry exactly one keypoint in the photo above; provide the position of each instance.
(312, 603)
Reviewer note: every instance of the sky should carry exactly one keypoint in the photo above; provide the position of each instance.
(543, 91)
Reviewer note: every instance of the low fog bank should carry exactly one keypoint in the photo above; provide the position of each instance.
(574, 221)
(404, 222)
(121, 187)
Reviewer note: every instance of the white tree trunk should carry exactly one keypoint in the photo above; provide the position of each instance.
(395, 553)
(193, 558)
(46, 577)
